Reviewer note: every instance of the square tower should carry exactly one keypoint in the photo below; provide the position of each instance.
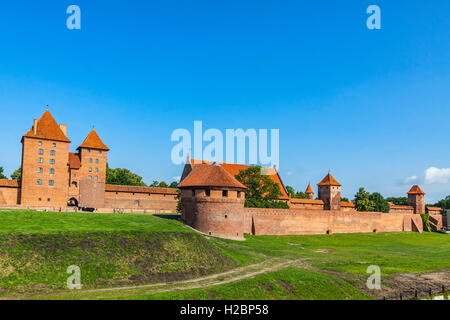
(330, 193)
(416, 199)
(45, 152)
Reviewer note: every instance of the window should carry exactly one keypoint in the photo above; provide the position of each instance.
(90, 160)
(96, 169)
(74, 175)
(52, 161)
(90, 169)
(90, 177)
(96, 178)
(40, 170)
(39, 181)
(208, 192)
(52, 152)
(75, 184)
(41, 151)
(53, 145)
(224, 193)
(96, 160)
(48, 199)
(52, 171)
(99, 151)
(40, 144)
(51, 182)
(239, 194)
(40, 199)
(41, 160)
(89, 150)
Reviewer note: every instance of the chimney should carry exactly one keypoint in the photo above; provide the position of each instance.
(35, 126)
(63, 128)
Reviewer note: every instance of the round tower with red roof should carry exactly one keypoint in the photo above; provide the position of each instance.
(212, 202)
(416, 199)
(309, 191)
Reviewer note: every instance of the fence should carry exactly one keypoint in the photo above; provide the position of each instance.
(416, 294)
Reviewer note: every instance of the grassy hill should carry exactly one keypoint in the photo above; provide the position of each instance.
(117, 250)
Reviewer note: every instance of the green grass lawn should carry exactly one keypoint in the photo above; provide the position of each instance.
(123, 249)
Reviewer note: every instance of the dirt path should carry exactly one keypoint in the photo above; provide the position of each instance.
(197, 283)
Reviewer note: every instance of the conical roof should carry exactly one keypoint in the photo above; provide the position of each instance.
(416, 190)
(93, 141)
(329, 180)
(47, 128)
(309, 190)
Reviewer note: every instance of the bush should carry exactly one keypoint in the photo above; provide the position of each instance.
(264, 203)
(426, 222)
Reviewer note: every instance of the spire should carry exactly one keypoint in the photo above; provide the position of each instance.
(93, 141)
(309, 190)
(46, 128)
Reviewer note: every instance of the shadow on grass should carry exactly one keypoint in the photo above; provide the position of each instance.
(169, 216)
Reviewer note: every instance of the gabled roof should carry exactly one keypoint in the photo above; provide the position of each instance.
(93, 141)
(347, 204)
(329, 181)
(207, 175)
(47, 128)
(416, 190)
(234, 170)
(309, 190)
(74, 160)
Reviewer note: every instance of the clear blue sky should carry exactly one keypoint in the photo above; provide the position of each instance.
(372, 106)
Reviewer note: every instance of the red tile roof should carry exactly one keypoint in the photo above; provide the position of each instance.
(47, 128)
(306, 201)
(416, 190)
(139, 189)
(434, 208)
(207, 175)
(9, 183)
(309, 190)
(234, 170)
(329, 180)
(74, 160)
(347, 204)
(393, 206)
(93, 141)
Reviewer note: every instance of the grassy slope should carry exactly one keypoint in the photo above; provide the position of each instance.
(352, 253)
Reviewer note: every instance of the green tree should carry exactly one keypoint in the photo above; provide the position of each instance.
(2, 176)
(17, 175)
(381, 204)
(290, 191)
(398, 201)
(154, 184)
(362, 201)
(174, 184)
(262, 192)
(444, 203)
(162, 184)
(345, 199)
(122, 176)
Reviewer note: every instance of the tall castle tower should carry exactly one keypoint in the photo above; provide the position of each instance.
(92, 171)
(212, 201)
(416, 199)
(330, 193)
(309, 191)
(45, 152)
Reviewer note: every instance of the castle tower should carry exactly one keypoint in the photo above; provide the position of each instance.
(45, 152)
(416, 199)
(309, 191)
(91, 175)
(212, 201)
(330, 193)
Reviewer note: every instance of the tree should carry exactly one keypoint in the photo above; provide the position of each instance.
(290, 191)
(2, 176)
(381, 204)
(362, 201)
(262, 192)
(17, 175)
(345, 199)
(122, 176)
(444, 203)
(174, 184)
(398, 201)
(162, 184)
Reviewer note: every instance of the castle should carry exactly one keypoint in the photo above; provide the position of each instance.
(212, 199)
(54, 178)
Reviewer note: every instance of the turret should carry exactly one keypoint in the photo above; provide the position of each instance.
(330, 193)
(416, 199)
(212, 201)
(309, 191)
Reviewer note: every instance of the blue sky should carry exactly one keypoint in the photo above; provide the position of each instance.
(370, 105)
